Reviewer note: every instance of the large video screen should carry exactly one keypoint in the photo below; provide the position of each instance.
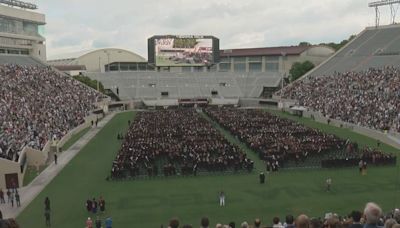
(183, 51)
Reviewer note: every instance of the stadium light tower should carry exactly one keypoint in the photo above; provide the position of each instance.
(20, 4)
(391, 4)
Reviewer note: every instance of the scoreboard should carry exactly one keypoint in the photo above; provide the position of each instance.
(187, 50)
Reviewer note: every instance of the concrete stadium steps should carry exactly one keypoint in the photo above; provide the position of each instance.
(373, 47)
(150, 85)
(19, 60)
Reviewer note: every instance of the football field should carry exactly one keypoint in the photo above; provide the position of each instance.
(152, 202)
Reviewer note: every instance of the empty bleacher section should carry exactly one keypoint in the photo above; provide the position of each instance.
(373, 47)
(19, 60)
(154, 85)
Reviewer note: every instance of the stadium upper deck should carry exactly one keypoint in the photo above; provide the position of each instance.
(374, 47)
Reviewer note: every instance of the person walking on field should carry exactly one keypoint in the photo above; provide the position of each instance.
(98, 222)
(12, 199)
(2, 196)
(222, 199)
(47, 217)
(328, 184)
(47, 204)
(55, 158)
(89, 223)
(8, 196)
(17, 199)
(108, 222)
(102, 204)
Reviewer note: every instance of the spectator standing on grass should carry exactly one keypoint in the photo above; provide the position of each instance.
(98, 222)
(364, 168)
(8, 195)
(2, 196)
(262, 178)
(55, 158)
(102, 204)
(257, 223)
(108, 222)
(17, 199)
(94, 206)
(89, 223)
(47, 217)
(12, 199)
(47, 204)
(222, 198)
(328, 184)
(89, 205)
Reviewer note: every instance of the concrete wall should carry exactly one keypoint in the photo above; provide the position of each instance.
(9, 167)
(26, 15)
(36, 157)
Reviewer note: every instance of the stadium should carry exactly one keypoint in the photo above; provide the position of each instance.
(196, 135)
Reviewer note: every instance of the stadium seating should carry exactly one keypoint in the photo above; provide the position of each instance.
(38, 104)
(150, 85)
(357, 85)
(19, 60)
(368, 98)
(374, 47)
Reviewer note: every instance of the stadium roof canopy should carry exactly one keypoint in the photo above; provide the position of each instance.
(267, 51)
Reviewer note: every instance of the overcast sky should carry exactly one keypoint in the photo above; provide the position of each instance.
(78, 25)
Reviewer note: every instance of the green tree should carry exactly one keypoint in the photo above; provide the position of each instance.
(304, 43)
(299, 69)
(89, 82)
(337, 46)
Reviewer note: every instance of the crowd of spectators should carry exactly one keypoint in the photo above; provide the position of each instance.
(371, 217)
(175, 141)
(353, 156)
(38, 104)
(369, 98)
(276, 140)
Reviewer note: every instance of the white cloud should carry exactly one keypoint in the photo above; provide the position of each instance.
(76, 25)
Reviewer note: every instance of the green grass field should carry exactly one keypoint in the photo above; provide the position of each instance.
(74, 138)
(150, 203)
